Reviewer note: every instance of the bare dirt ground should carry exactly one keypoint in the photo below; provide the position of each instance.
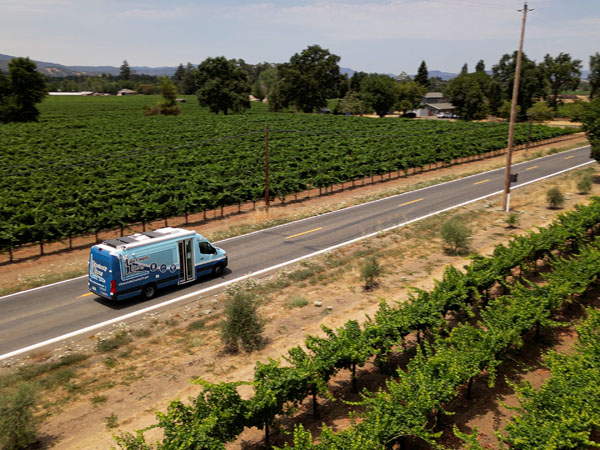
(123, 388)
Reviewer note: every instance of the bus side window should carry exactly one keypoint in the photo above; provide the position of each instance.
(206, 248)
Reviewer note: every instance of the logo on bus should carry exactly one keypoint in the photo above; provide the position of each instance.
(98, 270)
(135, 266)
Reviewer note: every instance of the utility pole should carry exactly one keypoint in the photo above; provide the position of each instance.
(513, 114)
(267, 166)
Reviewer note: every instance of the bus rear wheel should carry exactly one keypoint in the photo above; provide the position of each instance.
(149, 291)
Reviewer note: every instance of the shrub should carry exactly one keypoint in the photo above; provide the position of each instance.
(555, 197)
(18, 426)
(512, 220)
(242, 326)
(370, 270)
(456, 235)
(584, 186)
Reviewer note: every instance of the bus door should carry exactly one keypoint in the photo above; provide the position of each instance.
(186, 260)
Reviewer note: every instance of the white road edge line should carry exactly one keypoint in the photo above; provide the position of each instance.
(259, 272)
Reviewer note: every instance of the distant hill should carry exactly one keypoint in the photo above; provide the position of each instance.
(59, 70)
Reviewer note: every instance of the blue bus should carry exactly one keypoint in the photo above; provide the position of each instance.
(142, 263)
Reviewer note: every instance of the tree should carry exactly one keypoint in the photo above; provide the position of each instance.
(20, 91)
(179, 73)
(494, 96)
(266, 80)
(465, 69)
(380, 92)
(467, 94)
(352, 104)
(422, 76)
(540, 112)
(591, 125)
(480, 67)
(169, 106)
(310, 78)
(189, 83)
(356, 81)
(594, 75)
(223, 85)
(125, 71)
(560, 73)
(410, 94)
(531, 83)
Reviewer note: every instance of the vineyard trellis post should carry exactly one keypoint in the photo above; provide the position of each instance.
(267, 166)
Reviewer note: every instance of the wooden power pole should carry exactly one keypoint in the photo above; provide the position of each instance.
(513, 116)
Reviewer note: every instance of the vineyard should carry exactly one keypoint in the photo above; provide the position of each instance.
(96, 163)
(489, 328)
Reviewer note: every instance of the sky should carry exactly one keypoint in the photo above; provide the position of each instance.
(385, 36)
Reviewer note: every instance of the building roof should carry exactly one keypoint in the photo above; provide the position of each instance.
(434, 95)
(440, 106)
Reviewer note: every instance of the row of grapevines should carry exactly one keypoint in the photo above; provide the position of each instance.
(219, 414)
(433, 378)
(566, 409)
(103, 165)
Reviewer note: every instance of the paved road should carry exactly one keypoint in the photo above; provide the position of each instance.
(36, 316)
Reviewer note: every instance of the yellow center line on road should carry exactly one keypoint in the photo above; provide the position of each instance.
(483, 181)
(532, 167)
(85, 295)
(569, 157)
(304, 232)
(412, 201)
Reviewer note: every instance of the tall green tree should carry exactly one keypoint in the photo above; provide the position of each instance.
(266, 80)
(480, 66)
(560, 73)
(21, 91)
(380, 93)
(594, 76)
(223, 85)
(531, 82)
(352, 104)
(410, 94)
(467, 92)
(356, 80)
(125, 71)
(422, 76)
(310, 78)
(189, 83)
(591, 125)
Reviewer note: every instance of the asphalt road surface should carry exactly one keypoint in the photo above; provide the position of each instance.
(43, 316)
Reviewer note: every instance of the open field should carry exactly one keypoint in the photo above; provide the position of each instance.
(94, 163)
(167, 350)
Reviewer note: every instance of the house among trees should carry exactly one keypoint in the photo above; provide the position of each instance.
(434, 103)
(126, 92)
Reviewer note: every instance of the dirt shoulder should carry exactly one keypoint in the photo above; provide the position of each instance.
(122, 388)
